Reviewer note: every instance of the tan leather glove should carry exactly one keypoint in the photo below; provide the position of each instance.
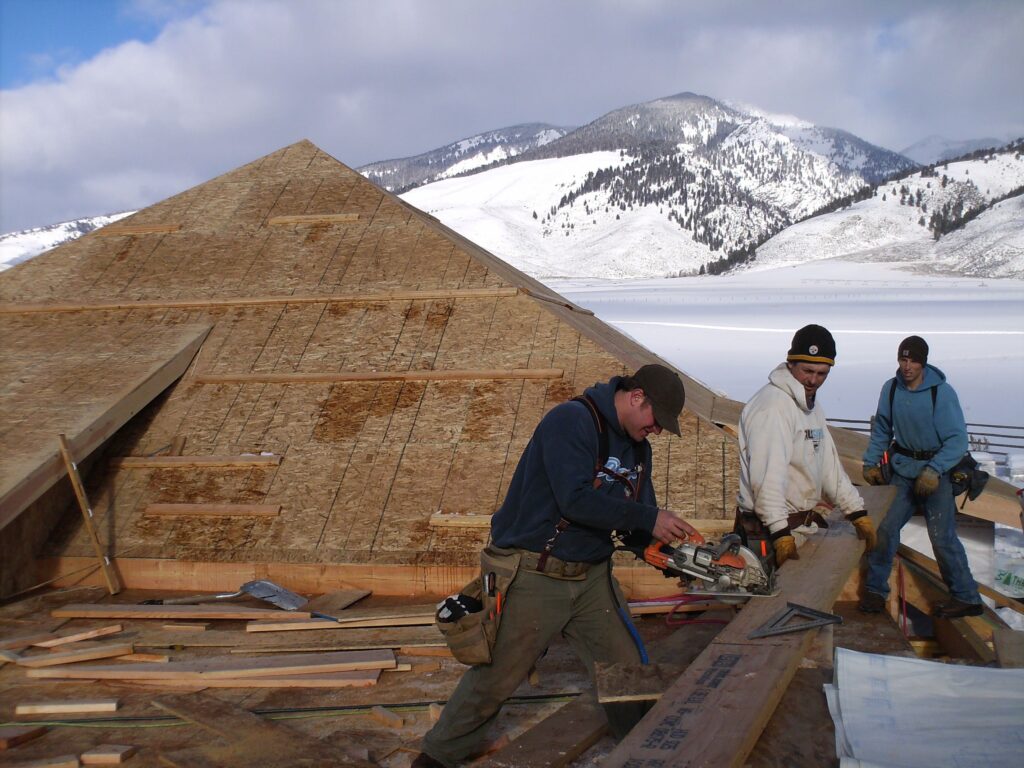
(873, 476)
(785, 549)
(865, 529)
(927, 482)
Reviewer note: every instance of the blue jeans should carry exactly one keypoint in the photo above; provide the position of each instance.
(940, 514)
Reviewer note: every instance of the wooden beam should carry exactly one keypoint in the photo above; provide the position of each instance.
(123, 230)
(370, 297)
(13, 735)
(80, 654)
(312, 218)
(923, 561)
(405, 616)
(745, 678)
(108, 754)
(212, 510)
(109, 575)
(486, 374)
(67, 707)
(88, 634)
(227, 667)
(114, 611)
(360, 678)
(194, 462)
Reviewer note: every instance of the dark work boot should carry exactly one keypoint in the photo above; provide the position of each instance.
(423, 760)
(872, 602)
(956, 609)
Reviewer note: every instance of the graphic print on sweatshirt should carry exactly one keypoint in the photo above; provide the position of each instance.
(815, 436)
(616, 474)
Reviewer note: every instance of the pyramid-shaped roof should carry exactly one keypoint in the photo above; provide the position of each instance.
(385, 368)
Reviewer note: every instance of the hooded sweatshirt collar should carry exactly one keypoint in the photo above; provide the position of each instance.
(784, 380)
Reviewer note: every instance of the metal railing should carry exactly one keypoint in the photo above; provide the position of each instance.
(980, 439)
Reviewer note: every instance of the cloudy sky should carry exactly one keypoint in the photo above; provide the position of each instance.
(111, 105)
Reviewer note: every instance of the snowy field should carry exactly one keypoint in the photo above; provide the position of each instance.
(730, 331)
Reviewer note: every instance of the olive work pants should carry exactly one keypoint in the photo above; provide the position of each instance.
(536, 609)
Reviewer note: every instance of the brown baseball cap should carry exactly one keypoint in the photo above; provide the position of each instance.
(665, 390)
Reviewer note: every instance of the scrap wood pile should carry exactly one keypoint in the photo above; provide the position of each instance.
(225, 645)
(99, 660)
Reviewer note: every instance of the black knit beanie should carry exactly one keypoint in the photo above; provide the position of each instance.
(915, 348)
(812, 344)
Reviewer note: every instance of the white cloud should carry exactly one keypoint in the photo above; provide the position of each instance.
(372, 80)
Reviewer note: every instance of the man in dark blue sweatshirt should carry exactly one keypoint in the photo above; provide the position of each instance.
(554, 534)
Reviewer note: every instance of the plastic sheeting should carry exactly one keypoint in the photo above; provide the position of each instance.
(895, 712)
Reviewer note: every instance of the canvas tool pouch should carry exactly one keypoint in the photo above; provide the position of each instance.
(471, 636)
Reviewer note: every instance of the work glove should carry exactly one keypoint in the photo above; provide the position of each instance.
(873, 475)
(785, 546)
(865, 529)
(927, 482)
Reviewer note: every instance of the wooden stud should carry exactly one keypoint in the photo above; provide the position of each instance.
(81, 654)
(194, 462)
(24, 641)
(124, 230)
(492, 374)
(88, 634)
(195, 626)
(213, 510)
(76, 707)
(112, 611)
(13, 735)
(62, 761)
(312, 218)
(108, 754)
(156, 658)
(109, 575)
(359, 678)
(256, 301)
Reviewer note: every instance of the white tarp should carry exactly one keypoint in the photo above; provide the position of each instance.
(896, 712)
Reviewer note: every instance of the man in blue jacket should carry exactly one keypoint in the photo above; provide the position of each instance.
(556, 527)
(921, 412)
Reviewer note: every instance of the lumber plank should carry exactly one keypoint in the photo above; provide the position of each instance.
(358, 678)
(386, 717)
(227, 667)
(88, 634)
(17, 642)
(404, 616)
(124, 230)
(312, 218)
(109, 575)
(744, 677)
(61, 761)
(202, 611)
(332, 602)
(108, 754)
(482, 374)
(9, 308)
(243, 461)
(928, 564)
(78, 706)
(244, 739)
(13, 735)
(80, 654)
(212, 510)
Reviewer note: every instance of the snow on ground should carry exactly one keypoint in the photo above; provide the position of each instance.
(496, 211)
(730, 331)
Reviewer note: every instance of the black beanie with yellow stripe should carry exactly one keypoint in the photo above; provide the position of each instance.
(812, 344)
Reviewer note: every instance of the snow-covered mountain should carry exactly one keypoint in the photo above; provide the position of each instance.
(936, 149)
(475, 153)
(964, 217)
(17, 247)
(660, 188)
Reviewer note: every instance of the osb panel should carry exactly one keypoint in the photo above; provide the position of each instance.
(365, 463)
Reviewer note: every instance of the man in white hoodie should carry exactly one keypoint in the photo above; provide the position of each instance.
(788, 462)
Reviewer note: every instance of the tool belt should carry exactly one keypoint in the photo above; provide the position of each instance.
(552, 566)
(471, 635)
(749, 524)
(919, 455)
